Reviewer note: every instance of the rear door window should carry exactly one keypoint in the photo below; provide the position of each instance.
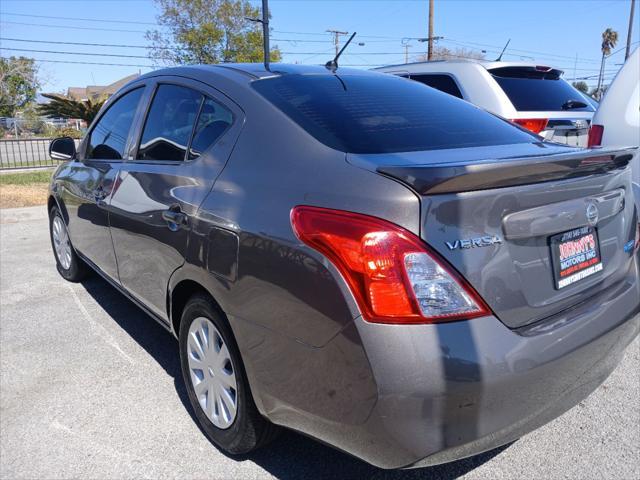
(170, 123)
(537, 90)
(441, 82)
(213, 121)
(378, 113)
(108, 138)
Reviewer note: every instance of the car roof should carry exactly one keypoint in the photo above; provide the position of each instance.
(439, 64)
(252, 71)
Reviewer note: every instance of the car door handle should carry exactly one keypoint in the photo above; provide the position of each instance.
(175, 218)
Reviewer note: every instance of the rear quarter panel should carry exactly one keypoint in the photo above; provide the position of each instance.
(280, 283)
(290, 310)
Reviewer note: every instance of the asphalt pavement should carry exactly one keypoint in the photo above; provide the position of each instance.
(90, 387)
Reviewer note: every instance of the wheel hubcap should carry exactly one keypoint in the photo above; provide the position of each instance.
(61, 242)
(212, 373)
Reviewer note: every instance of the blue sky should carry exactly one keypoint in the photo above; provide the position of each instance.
(552, 32)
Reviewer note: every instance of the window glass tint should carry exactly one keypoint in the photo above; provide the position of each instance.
(537, 91)
(108, 138)
(169, 123)
(213, 121)
(383, 113)
(444, 83)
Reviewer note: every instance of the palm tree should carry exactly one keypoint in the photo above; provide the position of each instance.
(609, 40)
(65, 107)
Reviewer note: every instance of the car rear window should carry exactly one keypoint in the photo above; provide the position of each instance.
(384, 114)
(537, 90)
(441, 82)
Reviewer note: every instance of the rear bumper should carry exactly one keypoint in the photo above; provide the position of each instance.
(407, 396)
(454, 390)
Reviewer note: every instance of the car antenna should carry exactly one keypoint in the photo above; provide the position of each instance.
(333, 64)
(265, 32)
(502, 52)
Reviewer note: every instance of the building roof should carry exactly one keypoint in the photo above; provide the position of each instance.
(93, 92)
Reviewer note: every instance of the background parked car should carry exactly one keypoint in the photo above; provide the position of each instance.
(534, 96)
(617, 119)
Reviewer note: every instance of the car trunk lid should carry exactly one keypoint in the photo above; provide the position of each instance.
(516, 227)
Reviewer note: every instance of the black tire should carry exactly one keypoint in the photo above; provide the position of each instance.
(249, 430)
(77, 268)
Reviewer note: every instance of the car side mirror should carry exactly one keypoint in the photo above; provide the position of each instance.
(62, 148)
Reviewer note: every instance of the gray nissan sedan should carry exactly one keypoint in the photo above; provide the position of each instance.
(354, 256)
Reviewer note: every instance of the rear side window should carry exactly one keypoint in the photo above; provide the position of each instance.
(170, 123)
(108, 138)
(378, 113)
(444, 83)
(534, 90)
(213, 121)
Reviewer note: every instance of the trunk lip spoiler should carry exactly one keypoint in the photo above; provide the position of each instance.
(467, 176)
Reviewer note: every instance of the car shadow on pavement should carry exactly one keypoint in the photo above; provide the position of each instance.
(291, 455)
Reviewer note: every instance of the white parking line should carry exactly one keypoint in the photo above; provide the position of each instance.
(102, 332)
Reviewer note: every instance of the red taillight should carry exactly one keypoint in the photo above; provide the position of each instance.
(393, 275)
(595, 136)
(536, 125)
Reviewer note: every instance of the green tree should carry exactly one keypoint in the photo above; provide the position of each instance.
(444, 53)
(582, 86)
(18, 84)
(64, 107)
(609, 41)
(207, 31)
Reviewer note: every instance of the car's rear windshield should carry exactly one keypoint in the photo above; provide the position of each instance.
(378, 113)
(537, 90)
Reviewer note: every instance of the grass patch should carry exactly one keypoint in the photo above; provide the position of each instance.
(26, 178)
(24, 189)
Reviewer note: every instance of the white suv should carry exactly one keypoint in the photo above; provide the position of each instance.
(531, 95)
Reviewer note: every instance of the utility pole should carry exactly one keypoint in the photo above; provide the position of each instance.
(406, 53)
(265, 33)
(628, 51)
(336, 38)
(430, 48)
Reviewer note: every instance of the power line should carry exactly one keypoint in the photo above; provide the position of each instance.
(61, 52)
(275, 31)
(91, 63)
(58, 52)
(131, 22)
(293, 40)
(116, 45)
(73, 27)
(588, 60)
(148, 47)
(101, 20)
(57, 42)
(313, 54)
(146, 66)
(325, 33)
